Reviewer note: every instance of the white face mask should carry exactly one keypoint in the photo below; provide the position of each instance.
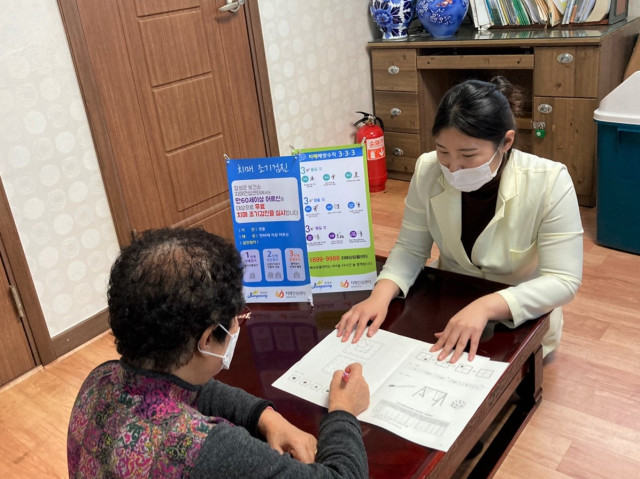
(228, 354)
(471, 179)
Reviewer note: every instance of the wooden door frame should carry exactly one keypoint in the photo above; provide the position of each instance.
(19, 276)
(88, 87)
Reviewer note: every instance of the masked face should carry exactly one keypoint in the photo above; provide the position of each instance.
(228, 354)
(471, 179)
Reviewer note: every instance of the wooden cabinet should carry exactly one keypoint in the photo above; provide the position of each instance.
(570, 139)
(563, 74)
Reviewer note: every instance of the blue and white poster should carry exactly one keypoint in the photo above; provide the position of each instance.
(269, 229)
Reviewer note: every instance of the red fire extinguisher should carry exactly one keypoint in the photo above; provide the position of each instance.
(376, 157)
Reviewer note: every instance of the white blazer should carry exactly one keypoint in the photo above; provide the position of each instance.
(533, 242)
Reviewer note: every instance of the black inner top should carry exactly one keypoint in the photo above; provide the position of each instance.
(478, 207)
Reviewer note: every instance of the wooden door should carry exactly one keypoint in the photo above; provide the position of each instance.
(170, 89)
(15, 353)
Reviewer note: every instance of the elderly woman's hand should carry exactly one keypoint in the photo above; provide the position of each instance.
(349, 390)
(285, 437)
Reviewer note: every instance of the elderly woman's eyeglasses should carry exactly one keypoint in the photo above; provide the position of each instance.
(244, 315)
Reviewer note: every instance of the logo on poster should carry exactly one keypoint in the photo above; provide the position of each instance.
(322, 285)
(257, 294)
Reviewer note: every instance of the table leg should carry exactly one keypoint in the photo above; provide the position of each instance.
(516, 414)
(530, 389)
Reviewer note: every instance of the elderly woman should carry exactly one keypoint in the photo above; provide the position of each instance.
(174, 297)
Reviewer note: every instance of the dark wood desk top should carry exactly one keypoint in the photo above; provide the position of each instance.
(468, 36)
(277, 336)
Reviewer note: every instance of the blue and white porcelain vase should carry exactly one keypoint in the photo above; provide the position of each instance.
(392, 17)
(441, 18)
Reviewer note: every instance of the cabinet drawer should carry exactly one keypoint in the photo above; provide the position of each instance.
(398, 110)
(394, 70)
(402, 149)
(475, 62)
(566, 71)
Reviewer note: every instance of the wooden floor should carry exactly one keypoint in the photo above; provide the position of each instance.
(588, 425)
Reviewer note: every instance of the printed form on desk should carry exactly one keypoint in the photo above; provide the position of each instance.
(413, 394)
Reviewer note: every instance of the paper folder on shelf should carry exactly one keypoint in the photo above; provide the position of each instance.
(533, 11)
(543, 10)
(600, 11)
(480, 14)
(584, 10)
(554, 16)
(568, 12)
(561, 5)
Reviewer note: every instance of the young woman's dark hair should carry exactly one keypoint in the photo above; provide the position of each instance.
(480, 109)
(166, 288)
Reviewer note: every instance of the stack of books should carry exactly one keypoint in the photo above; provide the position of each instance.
(509, 13)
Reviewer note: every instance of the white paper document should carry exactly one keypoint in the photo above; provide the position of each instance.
(413, 394)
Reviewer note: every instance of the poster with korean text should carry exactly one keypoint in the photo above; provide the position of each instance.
(269, 229)
(337, 215)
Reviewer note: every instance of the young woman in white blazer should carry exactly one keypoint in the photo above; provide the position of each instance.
(494, 212)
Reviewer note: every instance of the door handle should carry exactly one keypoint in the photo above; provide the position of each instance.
(232, 6)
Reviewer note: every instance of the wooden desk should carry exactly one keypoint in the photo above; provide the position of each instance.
(277, 336)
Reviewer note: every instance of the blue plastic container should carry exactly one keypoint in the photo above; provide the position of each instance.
(618, 191)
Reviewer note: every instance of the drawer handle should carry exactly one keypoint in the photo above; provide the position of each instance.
(393, 70)
(395, 112)
(565, 58)
(545, 108)
(398, 151)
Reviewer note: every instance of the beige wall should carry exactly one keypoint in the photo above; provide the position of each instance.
(49, 168)
(318, 69)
